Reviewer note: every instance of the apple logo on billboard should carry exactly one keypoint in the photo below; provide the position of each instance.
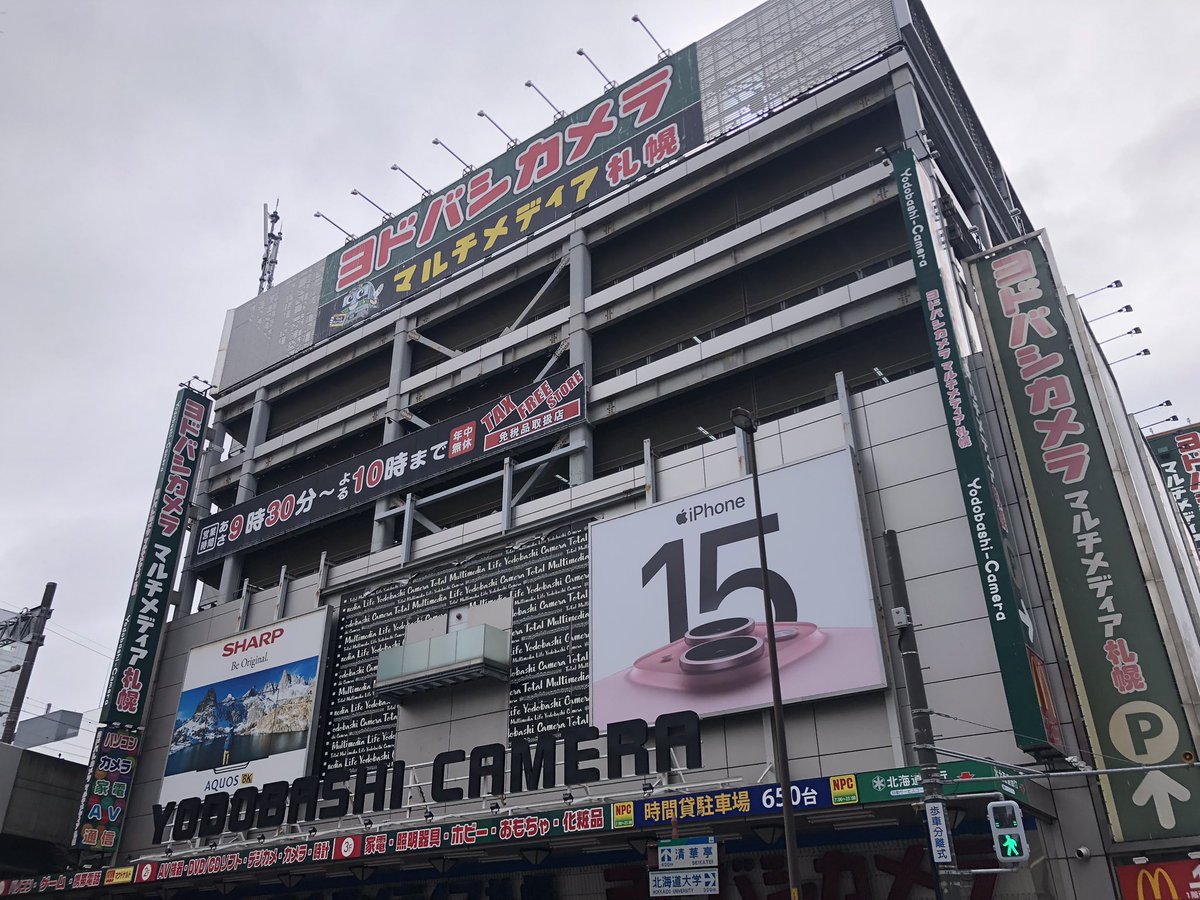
(681, 517)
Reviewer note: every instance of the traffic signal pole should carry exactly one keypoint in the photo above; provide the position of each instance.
(946, 877)
(948, 888)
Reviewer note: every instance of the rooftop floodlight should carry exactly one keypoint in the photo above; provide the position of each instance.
(512, 142)
(355, 192)
(609, 84)
(1134, 330)
(663, 52)
(1145, 351)
(425, 192)
(1108, 287)
(466, 165)
(558, 113)
(1160, 422)
(1155, 406)
(320, 215)
(1121, 309)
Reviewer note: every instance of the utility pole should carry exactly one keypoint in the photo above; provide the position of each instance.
(31, 649)
(918, 703)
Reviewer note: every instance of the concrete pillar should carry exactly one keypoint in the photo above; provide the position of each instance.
(260, 417)
(580, 345)
(184, 602)
(383, 532)
(977, 218)
(911, 120)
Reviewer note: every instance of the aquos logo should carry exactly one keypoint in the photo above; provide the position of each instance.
(227, 781)
(705, 510)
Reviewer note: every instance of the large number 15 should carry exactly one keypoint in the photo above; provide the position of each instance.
(670, 556)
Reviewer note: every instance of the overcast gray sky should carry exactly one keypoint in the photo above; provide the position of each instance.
(141, 138)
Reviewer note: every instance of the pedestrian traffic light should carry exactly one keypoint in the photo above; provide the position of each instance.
(1008, 831)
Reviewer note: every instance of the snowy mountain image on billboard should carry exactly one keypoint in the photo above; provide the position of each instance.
(241, 719)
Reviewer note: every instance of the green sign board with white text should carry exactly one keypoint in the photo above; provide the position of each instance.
(1131, 702)
(888, 785)
(1030, 703)
(1177, 455)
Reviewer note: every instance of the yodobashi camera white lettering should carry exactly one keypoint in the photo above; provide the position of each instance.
(704, 510)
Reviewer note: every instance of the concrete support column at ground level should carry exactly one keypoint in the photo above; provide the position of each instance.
(260, 417)
(580, 345)
(384, 530)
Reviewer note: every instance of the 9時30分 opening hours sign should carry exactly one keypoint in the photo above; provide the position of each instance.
(645, 123)
(555, 403)
(1130, 698)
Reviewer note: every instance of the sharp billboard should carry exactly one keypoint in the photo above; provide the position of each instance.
(246, 713)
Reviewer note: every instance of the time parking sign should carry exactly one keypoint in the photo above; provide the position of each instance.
(687, 573)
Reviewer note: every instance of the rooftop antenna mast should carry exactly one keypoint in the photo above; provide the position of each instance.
(272, 238)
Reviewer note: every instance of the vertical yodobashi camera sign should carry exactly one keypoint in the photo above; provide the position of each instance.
(247, 709)
(688, 572)
(1177, 454)
(158, 562)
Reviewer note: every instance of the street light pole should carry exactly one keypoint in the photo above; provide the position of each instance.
(744, 422)
(31, 650)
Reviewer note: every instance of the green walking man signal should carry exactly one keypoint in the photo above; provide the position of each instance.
(1008, 831)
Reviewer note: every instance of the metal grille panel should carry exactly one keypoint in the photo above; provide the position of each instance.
(783, 48)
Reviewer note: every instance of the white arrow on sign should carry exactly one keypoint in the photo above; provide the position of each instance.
(1161, 787)
(1195, 885)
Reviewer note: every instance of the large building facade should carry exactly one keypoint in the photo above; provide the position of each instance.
(472, 490)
